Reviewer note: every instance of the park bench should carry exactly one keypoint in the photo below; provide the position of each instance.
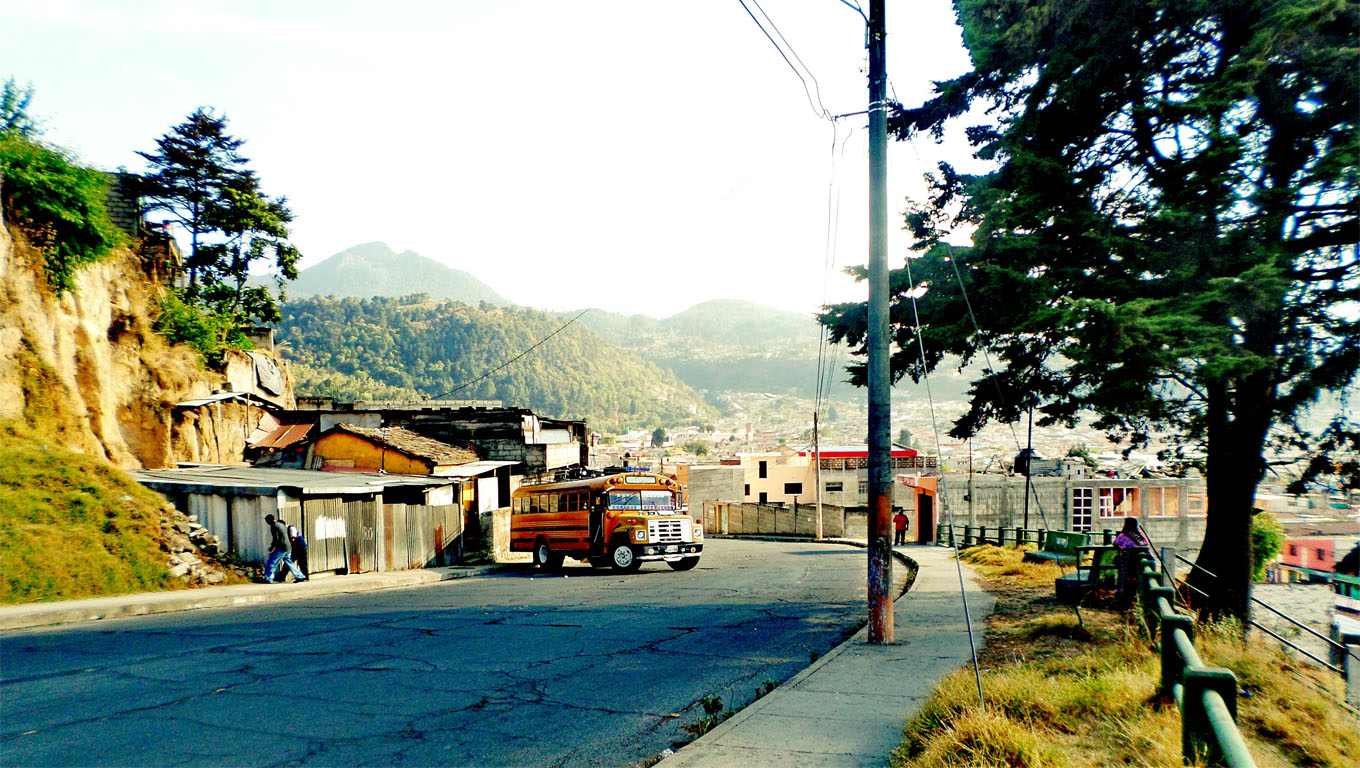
(1060, 547)
(1102, 572)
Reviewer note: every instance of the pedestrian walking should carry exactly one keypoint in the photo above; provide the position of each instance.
(279, 552)
(899, 528)
(297, 545)
(1128, 542)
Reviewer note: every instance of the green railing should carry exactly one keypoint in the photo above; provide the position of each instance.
(970, 535)
(1206, 696)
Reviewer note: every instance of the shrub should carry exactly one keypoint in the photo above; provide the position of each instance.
(58, 205)
(211, 334)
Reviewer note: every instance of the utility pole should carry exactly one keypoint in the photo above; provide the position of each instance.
(880, 391)
(1029, 463)
(817, 477)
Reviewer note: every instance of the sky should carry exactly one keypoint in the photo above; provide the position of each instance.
(641, 157)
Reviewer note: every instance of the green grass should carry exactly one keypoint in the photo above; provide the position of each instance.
(73, 526)
(1062, 692)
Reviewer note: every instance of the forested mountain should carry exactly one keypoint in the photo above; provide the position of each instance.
(442, 348)
(374, 269)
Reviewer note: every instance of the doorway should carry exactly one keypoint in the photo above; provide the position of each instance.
(925, 517)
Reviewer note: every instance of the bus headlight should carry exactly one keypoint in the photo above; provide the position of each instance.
(640, 534)
(698, 532)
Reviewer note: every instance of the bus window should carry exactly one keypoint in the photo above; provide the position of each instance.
(553, 502)
(624, 500)
(658, 500)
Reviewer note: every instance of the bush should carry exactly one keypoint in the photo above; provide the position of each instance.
(211, 334)
(58, 205)
(1267, 539)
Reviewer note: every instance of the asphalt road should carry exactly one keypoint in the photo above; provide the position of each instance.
(584, 668)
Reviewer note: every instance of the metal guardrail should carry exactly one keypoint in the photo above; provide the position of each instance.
(1206, 696)
(971, 535)
(1339, 648)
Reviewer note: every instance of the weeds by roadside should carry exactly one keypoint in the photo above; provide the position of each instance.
(1065, 693)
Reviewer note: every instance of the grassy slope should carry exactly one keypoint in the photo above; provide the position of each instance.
(1063, 693)
(73, 526)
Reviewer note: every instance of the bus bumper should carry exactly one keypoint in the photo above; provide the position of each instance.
(667, 551)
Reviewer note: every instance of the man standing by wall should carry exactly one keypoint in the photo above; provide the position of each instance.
(899, 528)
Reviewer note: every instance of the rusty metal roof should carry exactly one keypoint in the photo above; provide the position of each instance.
(283, 436)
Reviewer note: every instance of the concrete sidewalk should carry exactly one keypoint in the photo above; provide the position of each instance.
(847, 710)
(143, 603)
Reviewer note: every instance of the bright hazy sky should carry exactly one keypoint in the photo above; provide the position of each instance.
(636, 155)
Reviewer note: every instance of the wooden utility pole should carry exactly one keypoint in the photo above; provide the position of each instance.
(880, 391)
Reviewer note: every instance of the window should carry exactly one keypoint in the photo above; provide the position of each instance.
(1163, 502)
(764, 497)
(654, 500)
(1322, 554)
(836, 487)
(793, 489)
(554, 500)
(863, 487)
(1082, 499)
(764, 469)
(625, 500)
(747, 492)
(1293, 550)
(1198, 504)
(1118, 502)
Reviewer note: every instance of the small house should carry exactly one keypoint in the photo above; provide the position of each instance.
(349, 448)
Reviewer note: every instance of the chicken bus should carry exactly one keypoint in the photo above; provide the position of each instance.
(619, 520)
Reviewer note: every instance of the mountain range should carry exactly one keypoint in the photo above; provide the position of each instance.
(713, 347)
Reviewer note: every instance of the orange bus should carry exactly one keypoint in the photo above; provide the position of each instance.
(617, 520)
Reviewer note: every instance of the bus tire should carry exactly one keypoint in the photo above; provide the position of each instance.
(544, 557)
(624, 559)
(683, 564)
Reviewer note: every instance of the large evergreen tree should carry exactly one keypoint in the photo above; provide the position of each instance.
(199, 178)
(1168, 237)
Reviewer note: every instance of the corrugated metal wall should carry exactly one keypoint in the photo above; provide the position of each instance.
(417, 536)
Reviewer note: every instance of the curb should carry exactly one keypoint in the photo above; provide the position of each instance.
(148, 603)
(751, 709)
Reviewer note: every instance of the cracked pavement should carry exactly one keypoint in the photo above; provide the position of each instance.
(580, 668)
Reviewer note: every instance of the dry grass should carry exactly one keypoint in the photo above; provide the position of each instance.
(1067, 692)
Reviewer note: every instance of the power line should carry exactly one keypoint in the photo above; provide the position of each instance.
(516, 357)
(819, 108)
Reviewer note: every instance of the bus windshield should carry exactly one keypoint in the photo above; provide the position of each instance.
(644, 501)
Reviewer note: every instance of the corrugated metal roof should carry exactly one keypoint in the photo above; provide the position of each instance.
(266, 481)
(283, 436)
(474, 468)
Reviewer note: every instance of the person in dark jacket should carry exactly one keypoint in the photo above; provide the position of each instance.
(279, 550)
(298, 544)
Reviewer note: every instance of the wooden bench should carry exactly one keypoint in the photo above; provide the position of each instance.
(1102, 572)
(1059, 547)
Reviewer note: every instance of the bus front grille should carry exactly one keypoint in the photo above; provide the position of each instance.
(666, 531)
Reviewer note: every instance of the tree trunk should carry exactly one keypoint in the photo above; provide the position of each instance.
(1235, 467)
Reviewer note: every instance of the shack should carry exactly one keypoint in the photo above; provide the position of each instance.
(353, 522)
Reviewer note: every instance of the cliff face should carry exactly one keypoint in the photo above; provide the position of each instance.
(87, 368)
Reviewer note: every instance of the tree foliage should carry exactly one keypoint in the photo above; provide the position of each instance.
(14, 114)
(57, 204)
(200, 180)
(1167, 237)
(1267, 541)
(450, 349)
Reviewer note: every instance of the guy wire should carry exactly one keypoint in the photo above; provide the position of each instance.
(958, 564)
